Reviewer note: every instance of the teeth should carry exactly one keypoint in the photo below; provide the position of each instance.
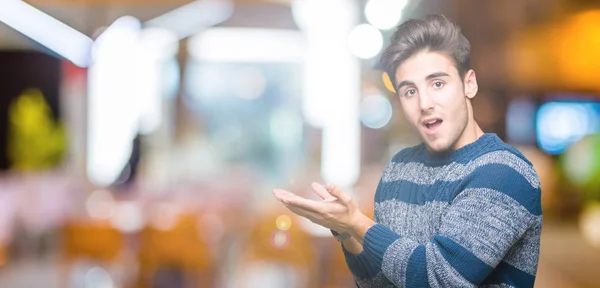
(431, 122)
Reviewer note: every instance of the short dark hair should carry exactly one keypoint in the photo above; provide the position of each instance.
(434, 33)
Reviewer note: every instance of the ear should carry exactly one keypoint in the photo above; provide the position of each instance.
(470, 83)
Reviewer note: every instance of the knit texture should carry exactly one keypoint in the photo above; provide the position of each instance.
(468, 218)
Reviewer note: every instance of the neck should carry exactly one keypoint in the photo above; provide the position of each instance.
(471, 133)
(473, 139)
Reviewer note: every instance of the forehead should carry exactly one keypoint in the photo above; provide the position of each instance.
(425, 63)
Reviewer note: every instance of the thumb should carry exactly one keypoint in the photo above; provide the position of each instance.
(330, 187)
(334, 190)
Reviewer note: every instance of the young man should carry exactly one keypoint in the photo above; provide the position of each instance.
(460, 210)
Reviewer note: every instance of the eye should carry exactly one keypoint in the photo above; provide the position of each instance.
(410, 92)
(438, 84)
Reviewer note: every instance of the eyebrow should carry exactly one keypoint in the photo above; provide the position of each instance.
(404, 83)
(436, 75)
(430, 76)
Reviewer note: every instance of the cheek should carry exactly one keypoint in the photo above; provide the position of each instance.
(410, 111)
(452, 102)
(451, 96)
(459, 114)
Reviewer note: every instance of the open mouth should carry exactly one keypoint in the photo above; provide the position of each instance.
(432, 125)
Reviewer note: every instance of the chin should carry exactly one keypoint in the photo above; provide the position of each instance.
(438, 145)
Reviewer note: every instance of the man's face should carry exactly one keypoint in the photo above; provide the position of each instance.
(432, 95)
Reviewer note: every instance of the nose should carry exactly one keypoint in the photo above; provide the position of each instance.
(426, 102)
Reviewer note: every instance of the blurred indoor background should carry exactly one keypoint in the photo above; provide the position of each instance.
(140, 139)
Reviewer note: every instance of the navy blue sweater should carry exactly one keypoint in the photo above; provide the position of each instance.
(468, 218)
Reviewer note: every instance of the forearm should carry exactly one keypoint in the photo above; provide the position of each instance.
(365, 274)
(358, 261)
(352, 246)
(359, 228)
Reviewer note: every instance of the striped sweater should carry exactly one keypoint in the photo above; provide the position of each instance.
(469, 218)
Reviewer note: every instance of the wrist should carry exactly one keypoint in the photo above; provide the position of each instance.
(340, 236)
(352, 246)
(360, 226)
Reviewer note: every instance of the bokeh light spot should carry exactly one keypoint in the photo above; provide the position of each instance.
(283, 222)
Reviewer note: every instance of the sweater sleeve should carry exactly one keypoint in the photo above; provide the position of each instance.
(481, 225)
(366, 272)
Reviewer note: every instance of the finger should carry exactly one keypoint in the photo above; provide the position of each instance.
(321, 191)
(291, 199)
(311, 216)
(336, 192)
(283, 195)
(305, 204)
(302, 212)
(330, 186)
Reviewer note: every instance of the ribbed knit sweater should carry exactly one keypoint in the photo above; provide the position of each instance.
(468, 218)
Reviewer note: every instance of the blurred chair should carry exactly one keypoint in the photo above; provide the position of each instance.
(178, 251)
(95, 240)
(277, 253)
(3, 256)
(90, 240)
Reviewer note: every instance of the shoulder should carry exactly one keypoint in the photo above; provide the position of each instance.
(503, 169)
(502, 159)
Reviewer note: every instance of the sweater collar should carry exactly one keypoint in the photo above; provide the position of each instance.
(465, 151)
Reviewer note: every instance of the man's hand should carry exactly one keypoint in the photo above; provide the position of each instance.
(337, 211)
